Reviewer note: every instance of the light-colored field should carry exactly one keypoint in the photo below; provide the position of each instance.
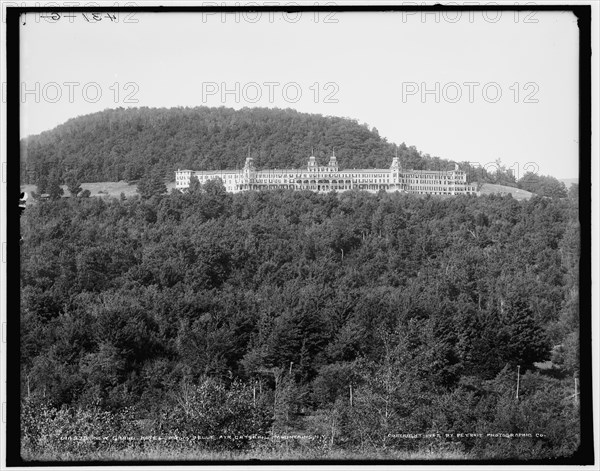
(103, 188)
(489, 189)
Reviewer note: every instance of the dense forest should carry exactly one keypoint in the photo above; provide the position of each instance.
(126, 144)
(378, 325)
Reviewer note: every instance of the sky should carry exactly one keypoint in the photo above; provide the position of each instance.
(468, 86)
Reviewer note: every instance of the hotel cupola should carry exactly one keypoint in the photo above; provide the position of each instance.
(333, 165)
(312, 163)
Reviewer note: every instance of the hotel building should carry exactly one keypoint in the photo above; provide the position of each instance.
(329, 178)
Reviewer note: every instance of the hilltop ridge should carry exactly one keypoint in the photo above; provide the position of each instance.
(124, 144)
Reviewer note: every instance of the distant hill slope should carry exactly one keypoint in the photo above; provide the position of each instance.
(122, 144)
(490, 188)
(569, 181)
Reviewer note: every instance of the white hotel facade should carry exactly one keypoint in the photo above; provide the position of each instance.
(330, 178)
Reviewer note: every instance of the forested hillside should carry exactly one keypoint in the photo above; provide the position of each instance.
(125, 144)
(353, 318)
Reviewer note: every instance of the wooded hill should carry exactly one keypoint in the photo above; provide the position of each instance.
(350, 317)
(125, 144)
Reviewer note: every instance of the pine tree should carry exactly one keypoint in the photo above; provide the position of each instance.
(53, 188)
(73, 184)
(151, 184)
(523, 340)
(42, 184)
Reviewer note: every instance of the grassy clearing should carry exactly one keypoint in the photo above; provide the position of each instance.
(489, 189)
(111, 189)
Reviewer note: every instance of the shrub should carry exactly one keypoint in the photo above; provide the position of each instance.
(220, 417)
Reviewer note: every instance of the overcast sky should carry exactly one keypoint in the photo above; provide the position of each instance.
(462, 86)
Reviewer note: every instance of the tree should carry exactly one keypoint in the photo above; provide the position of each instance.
(151, 184)
(522, 340)
(73, 184)
(54, 189)
(574, 192)
(42, 184)
(230, 415)
(214, 187)
(543, 185)
(195, 186)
